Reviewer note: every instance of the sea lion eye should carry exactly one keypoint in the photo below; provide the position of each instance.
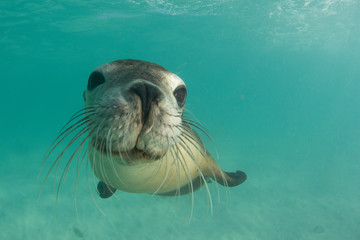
(180, 95)
(95, 79)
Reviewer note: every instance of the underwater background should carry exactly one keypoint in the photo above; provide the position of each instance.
(276, 83)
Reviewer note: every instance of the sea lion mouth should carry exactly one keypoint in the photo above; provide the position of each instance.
(128, 155)
(136, 153)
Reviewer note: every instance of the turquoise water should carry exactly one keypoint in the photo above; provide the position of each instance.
(276, 83)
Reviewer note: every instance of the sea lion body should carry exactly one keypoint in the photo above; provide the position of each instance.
(142, 162)
(139, 139)
(160, 176)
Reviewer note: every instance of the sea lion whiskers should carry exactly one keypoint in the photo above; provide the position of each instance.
(191, 155)
(84, 111)
(185, 167)
(154, 157)
(168, 161)
(174, 159)
(189, 136)
(177, 161)
(109, 154)
(78, 151)
(74, 127)
(90, 147)
(104, 148)
(94, 143)
(196, 124)
(156, 170)
(180, 159)
(61, 137)
(77, 136)
(67, 166)
(78, 167)
(111, 158)
(179, 114)
(176, 193)
(177, 166)
(193, 121)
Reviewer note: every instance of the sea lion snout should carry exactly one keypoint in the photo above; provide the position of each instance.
(148, 95)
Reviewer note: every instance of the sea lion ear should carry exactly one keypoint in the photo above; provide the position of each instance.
(104, 190)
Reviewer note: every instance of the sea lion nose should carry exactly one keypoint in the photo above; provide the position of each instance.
(147, 94)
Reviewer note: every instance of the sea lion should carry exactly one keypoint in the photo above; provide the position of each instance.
(139, 139)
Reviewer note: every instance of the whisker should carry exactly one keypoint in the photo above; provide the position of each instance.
(78, 167)
(112, 161)
(173, 115)
(66, 169)
(177, 192)
(188, 136)
(191, 155)
(102, 159)
(60, 138)
(165, 177)
(75, 138)
(188, 175)
(88, 183)
(176, 163)
(85, 111)
(92, 152)
(196, 124)
(57, 160)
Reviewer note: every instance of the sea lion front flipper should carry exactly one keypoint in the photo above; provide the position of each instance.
(104, 190)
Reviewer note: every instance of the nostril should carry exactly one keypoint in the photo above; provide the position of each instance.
(147, 94)
(140, 90)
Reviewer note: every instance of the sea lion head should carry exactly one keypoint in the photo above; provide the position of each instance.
(134, 109)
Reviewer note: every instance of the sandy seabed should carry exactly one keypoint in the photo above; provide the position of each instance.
(274, 203)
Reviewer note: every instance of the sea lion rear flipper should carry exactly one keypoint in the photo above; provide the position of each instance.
(229, 179)
(233, 178)
(104, 190)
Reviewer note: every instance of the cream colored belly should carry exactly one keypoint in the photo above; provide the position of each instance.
(166, 174)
